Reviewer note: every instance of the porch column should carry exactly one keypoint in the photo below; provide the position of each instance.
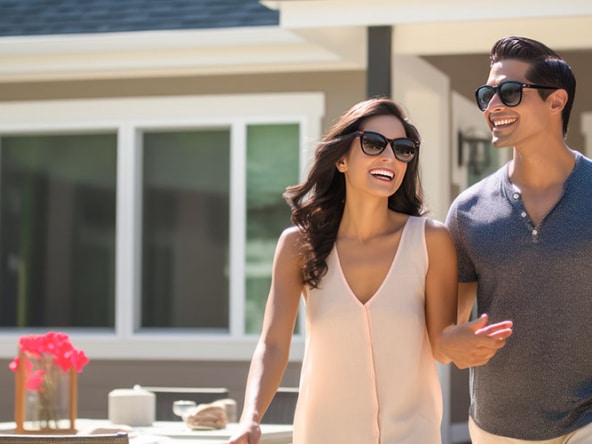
(378, 77)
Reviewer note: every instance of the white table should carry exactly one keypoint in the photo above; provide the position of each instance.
(175, 432)
(270, 433)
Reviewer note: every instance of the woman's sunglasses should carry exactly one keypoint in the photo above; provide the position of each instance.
(373, 144)
(510, 93)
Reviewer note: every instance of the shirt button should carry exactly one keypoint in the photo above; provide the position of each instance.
(523, 214)
(516, 196)
(535, 232)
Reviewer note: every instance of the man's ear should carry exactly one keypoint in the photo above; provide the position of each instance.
(558, 99)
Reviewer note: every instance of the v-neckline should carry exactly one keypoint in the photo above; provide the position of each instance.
(386, 276)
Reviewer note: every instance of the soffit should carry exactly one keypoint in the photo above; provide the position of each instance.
(428, 27)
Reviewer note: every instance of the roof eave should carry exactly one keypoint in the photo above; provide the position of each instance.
(171, 53)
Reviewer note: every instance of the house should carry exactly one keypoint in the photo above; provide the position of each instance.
(145, 144)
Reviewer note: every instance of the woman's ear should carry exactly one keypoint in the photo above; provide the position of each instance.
(341, 167)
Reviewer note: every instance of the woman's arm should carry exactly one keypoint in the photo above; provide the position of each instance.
(271, 354)
(467, 344)
(440, 286)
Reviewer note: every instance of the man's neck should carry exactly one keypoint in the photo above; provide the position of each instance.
(541, 167)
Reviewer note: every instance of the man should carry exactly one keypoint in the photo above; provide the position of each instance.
(524, 240)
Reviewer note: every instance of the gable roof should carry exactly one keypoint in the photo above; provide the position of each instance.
(52, 17)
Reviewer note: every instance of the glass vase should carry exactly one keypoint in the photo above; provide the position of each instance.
(45, 396)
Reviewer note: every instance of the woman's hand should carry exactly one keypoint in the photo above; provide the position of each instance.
(475, 343)
(247, 433)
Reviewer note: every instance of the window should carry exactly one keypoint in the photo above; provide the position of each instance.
(147, 225)
(272, 160)
(185, 226)
(57, 230)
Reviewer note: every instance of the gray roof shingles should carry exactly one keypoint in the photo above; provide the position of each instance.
(48, 17)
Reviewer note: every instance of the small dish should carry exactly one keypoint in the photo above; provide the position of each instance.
(182, 407)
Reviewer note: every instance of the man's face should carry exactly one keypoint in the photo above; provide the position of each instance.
(515, 125)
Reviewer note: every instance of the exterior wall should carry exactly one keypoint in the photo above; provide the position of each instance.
(342, 89)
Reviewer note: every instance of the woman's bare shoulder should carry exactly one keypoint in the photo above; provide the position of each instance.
(290, 240)
(437, 233)
(435, 225)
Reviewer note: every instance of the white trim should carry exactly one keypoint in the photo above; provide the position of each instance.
(126, 231)
(127, 118)
(237, 228)
(586, 126)
(158, 40)
(108, 113)
(174, 53)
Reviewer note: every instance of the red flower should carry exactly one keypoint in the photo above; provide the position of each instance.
(44, 358)
(56, 345)
(35, 381)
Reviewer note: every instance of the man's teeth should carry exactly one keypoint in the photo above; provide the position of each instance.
(502, 122)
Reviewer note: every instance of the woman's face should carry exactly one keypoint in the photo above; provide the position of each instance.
(379, 175)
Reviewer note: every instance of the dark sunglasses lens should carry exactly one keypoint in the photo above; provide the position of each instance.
(484, 95)
(373, 144)
(510, 93)
(405, 149)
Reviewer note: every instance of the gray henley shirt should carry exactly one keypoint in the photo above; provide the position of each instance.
(539, 386)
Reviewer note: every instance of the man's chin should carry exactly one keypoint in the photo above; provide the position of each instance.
(498, 142)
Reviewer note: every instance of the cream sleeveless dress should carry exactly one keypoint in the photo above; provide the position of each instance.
(368, 375)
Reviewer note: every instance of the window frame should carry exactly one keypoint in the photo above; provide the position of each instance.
(129, 118)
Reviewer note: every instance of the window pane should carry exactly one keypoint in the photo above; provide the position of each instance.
(57, 230)
(272, 165)
(185, 282)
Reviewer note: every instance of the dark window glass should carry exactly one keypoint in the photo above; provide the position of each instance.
(57, 230)
(272, 165)
(185, 223)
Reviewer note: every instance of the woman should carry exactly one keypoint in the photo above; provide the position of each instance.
(379, 282)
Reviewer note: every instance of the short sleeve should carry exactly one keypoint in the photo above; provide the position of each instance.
(458, 230)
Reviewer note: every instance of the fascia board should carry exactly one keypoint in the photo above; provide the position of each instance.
(169, 53)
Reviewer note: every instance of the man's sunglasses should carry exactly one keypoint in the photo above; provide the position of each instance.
(373, 144)
(510, 93)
